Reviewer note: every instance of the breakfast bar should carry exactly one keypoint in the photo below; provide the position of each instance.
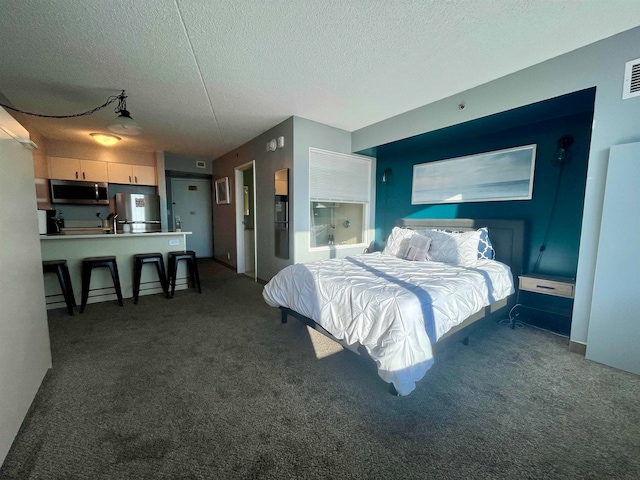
(74, 248)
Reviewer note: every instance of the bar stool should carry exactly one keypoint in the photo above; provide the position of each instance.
(88, 264)
(138, 261)
(60, 268)
(192, 267)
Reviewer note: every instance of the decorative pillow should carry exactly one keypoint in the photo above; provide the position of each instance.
(485, 249)
(396, 237)
(414, 248)
(459, 248)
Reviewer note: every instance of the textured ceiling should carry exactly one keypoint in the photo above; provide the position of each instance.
(204, 77)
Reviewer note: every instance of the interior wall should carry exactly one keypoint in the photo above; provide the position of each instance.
(561, 254)
(224, 216)
(25, 354)
(599, 65)
(313, 134)
(88, 151)
(183, 163)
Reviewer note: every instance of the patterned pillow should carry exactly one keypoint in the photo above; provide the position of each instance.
(485, 249)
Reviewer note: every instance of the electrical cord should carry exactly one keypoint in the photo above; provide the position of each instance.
(543, 247)
(121, 107)
(512, 322)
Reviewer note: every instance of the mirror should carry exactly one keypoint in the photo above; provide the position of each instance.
(282, 213)
(246, 200)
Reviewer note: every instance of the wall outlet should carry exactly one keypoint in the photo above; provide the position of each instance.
(174, 243)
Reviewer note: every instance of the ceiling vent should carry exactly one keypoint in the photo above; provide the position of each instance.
(631, 79)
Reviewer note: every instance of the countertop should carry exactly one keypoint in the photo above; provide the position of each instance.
(112, 236)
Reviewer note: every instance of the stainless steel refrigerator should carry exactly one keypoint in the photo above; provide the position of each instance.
(138, 213)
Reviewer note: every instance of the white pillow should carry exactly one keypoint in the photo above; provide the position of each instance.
(396, 237)
(455, 248)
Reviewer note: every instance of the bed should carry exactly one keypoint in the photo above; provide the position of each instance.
(403, 313)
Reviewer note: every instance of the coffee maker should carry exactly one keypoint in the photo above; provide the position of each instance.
(55, 224)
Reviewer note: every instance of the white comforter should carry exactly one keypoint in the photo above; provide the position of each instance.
(395, 308)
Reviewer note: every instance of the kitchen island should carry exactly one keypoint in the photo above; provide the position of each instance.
(74, 248)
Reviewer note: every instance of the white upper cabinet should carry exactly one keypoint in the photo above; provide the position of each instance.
(132, 174)
(75, 169)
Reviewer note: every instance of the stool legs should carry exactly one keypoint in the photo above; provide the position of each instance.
(59, 267)
(173, 271)
(67, 288)
(163, 278)
(193, 273)
(86, 281)
(137, 273)
(87, 266)
(113, 268)
(192, 267)
(139, 261)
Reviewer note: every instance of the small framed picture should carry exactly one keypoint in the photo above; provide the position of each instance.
(222, 191)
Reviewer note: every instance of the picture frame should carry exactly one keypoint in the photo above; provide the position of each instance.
(222, 191)
(500, 175)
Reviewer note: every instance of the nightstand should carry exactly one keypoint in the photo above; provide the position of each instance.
(533, 289)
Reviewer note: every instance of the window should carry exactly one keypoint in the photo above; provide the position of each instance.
(339, 197)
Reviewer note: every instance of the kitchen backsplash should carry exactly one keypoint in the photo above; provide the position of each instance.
(85, 215)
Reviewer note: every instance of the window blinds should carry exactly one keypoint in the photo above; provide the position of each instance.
(338, 177)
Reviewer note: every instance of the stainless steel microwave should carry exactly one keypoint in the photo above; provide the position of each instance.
(82, 193)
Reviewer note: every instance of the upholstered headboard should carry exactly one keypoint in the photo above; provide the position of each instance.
(507, 236)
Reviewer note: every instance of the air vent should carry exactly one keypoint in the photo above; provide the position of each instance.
(631, 79)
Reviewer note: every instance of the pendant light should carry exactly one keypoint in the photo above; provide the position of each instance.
(124, 124)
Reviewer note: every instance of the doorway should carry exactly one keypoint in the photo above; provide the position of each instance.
(192, 212)
(245, 183)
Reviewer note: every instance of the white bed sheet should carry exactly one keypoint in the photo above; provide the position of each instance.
(393, 307)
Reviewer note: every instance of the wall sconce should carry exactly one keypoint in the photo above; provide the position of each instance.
(562, 154)
(105, 139)
(275, 143)
(386, 175)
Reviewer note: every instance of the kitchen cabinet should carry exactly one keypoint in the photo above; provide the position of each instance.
(61, 168)
(132, 174)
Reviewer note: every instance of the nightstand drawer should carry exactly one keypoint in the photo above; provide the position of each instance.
(547, 286)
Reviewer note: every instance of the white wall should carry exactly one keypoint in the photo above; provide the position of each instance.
(615, 122)
(614, 329)
(307, 134)
(25, 354)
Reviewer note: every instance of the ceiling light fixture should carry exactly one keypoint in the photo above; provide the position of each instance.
(105, 139)
(123, 124)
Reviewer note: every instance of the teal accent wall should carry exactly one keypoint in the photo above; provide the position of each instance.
(515, 128)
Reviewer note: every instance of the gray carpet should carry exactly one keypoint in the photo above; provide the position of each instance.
(212, 385)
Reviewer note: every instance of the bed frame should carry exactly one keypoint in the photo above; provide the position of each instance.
(507, 237)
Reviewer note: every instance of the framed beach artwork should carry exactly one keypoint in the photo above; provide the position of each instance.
(484, 177)
(222, 190)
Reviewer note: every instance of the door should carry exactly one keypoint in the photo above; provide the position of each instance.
(191, 200)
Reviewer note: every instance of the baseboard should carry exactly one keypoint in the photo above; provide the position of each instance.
(225, 264)
(576, 347)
